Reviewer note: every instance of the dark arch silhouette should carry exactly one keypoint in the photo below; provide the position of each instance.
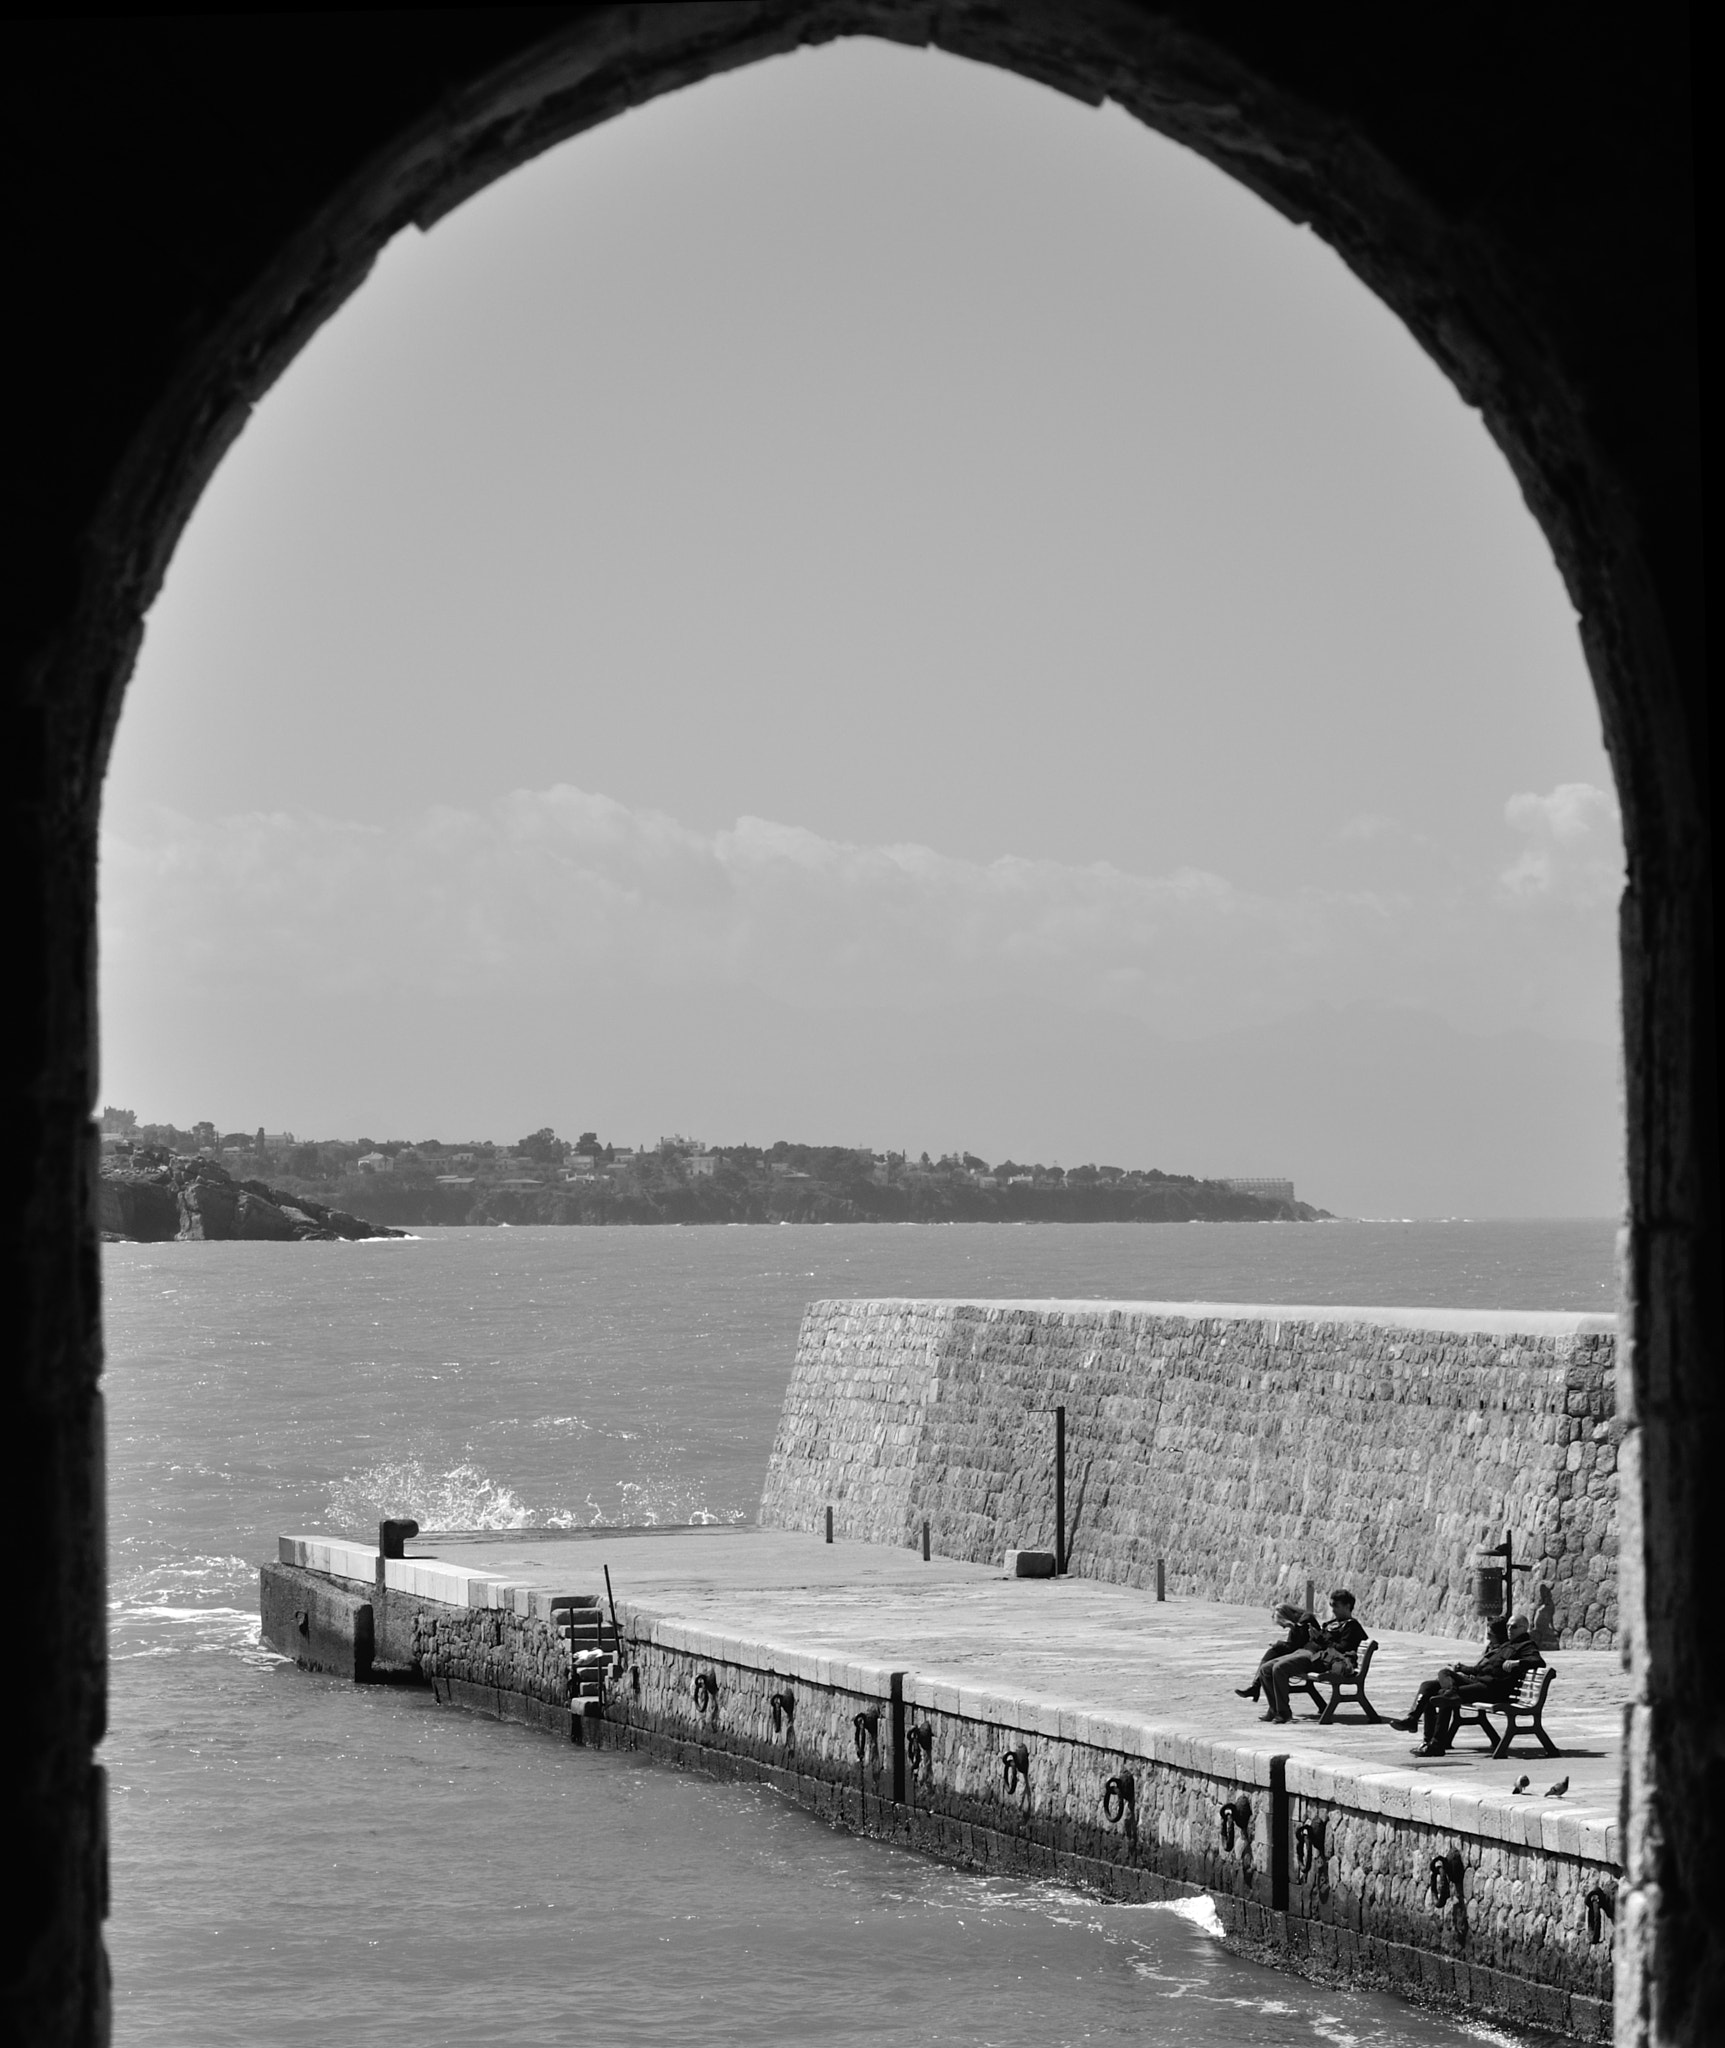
(195, 195)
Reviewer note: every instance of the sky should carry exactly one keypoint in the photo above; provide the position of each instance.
(868, 602)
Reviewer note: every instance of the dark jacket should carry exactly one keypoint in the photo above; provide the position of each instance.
(1341, 1644)
(1499, 1670)
(1303, 1635)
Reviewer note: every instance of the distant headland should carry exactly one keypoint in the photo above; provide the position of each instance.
(149, 1196)
(319, 1188)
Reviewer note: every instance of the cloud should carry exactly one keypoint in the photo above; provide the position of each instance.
(551, 886)
(559, 895)
(1369, 825)
(1573, 850)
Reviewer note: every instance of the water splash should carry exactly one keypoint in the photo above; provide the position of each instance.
(1201, 1912)
(464, 1497)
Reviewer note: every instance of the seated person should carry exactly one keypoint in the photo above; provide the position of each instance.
(1302, 1633)
(1333, 1656)
(1440, 1700)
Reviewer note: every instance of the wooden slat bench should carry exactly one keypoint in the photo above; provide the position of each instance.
(1523, 1712)
(1346, 1687)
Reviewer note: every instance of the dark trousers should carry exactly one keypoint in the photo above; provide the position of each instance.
(1276, 1677)
(1438, 1705)
(1264, 1662)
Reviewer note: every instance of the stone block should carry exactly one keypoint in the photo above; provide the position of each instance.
(1383, 1792)
(1560, 1833)
(320, 1625)
(1028, 1564)
(1312, 1780)
(1526, 1823)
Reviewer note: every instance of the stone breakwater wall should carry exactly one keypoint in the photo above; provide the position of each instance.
(1331, 1870)
(1251, 1448)
(475, 1639)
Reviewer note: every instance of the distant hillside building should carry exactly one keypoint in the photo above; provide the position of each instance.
(1265, 1190)
(702, 1165)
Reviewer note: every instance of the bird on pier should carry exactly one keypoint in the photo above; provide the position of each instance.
(1520, 1785)
(1557, 1791)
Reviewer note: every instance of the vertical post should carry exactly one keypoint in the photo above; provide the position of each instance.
(1311, 1594)
(925, 1539)
(829, 1525)
(897, 1678)
(1279, 1831)
(1161, 1580)
(1508, 1573)
(1060, 1492)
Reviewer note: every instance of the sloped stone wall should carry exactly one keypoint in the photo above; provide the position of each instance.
(1249, 1448)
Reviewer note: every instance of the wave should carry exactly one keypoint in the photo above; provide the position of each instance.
(165, 1628)
(464, 1497)
(640, 1513)
(1200, 1911)
(468, 1497)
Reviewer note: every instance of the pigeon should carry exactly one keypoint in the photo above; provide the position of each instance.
(1520, 1785)
(1557, 1791)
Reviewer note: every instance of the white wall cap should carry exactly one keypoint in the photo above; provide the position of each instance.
(1483, 1322)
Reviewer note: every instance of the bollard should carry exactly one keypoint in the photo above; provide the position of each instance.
(1161, 1580)
(925, 1539)
(829, 1525)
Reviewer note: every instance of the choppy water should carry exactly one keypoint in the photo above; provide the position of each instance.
(298, 1861)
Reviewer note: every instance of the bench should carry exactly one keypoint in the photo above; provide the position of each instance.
(1523, 1712)
(1349, 1686)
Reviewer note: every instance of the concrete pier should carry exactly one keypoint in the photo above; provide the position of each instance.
(1055, 1727)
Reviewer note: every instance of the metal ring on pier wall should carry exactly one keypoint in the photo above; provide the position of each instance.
(1446, 1876)
(1236, 1818)
(866, 1729)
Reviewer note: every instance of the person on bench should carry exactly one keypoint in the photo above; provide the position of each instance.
(1439, 1701)
(1335, 1654)
(1302, 1633)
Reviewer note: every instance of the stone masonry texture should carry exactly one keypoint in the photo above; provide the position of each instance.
(1250, 1451)
(1511, 1939)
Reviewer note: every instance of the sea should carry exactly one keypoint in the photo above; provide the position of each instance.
(300, 1861)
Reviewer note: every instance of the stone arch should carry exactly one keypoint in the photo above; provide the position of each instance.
(201, 193)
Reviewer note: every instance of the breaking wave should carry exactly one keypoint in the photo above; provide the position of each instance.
(169, 1607)
(1201, 1911)
(464, 1497)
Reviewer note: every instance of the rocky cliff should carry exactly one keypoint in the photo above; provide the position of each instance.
(190, 1199)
